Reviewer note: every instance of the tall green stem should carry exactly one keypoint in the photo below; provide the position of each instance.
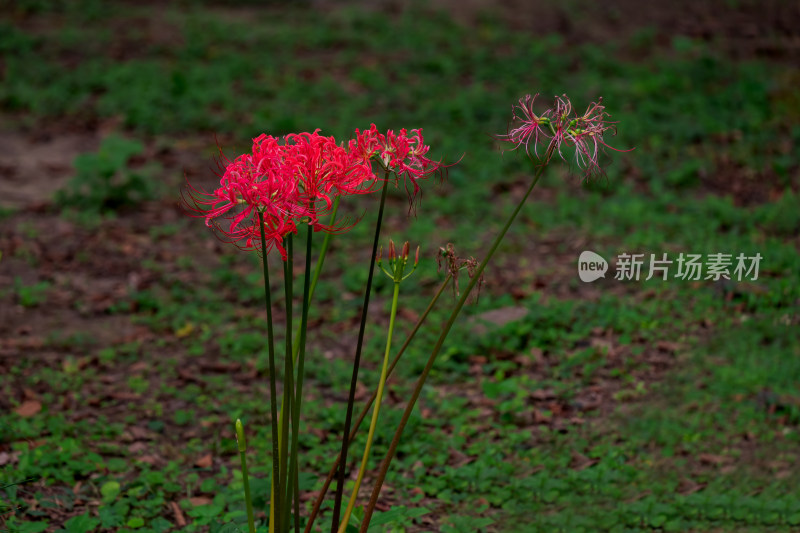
(357, 362)
(375, 412)
(275, 497)
(298, 400)
(296, 346)
(332, 473)
(288, 386)
(242, 443)
(324, 250)
(384, 468)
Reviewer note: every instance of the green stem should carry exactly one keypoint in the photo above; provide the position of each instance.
(300, 371)
(375, 412)
(272, 387)
(288, 290)
(286, 481)
(384, 468)
(356, 363)
(324, 490)
(324, 250)
(293, 493)
(242, 449)
(285, 485)
(296, 346)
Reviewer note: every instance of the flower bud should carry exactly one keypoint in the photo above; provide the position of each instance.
(391, 251)
(416, 257)
(405, 250)
(240, 436)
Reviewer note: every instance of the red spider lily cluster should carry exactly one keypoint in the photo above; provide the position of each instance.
(559, 127)
(297, 179)
(403, 154)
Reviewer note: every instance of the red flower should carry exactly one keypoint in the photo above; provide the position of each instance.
(560, 127)
(253, 183)
(403, 154)
(323, 170)
(287, 183)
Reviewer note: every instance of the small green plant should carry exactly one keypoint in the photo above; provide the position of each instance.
(31, 295)
(103, 181)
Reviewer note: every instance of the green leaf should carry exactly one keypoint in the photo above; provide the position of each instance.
(229, 528)
(110, 517)
(399, 513)
(135, 522)
(81, 523)
(110, 490)
(31, 527)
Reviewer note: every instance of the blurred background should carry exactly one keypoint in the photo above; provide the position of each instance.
(130, 338)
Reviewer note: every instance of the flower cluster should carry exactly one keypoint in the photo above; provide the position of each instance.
(559, 127)
(403, 154)
(283, 182)
(297, 179)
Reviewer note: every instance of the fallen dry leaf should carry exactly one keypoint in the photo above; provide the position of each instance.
(712, 459)
(667, 346)
(478, 359)
(197, 501)
(139, 367)
(124, 396)
(139, 433)
(581, 462)
(28, 408)
(180, 520)
(186, 375)
(382, 506)
(543, 394)
(361, 391)
(539, 417)
(458, 459)
(408, 314)
(687, 486)
(217, 366)
(137, 447)
(8, 458)
(204, 462)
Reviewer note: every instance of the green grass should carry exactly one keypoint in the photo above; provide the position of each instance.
(698, 418)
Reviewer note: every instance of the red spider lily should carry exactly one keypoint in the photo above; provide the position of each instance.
(530, 128)
(287, 183)
(403, 154)
(560, 127)
(324, 170)
(586, 136)
(253, 183)
(366, 143)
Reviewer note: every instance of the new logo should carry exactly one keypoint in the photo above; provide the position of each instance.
(591, 266)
